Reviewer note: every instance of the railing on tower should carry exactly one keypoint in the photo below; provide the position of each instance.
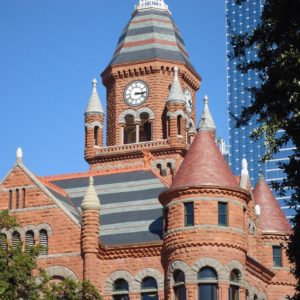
(160, 4)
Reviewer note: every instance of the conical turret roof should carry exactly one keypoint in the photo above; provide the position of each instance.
(94, 105)
(151, 34)
(206, 122)
(272, 218)
(204, 165)
(176, 93)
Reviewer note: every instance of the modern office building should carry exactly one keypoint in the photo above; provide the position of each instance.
(243, 19)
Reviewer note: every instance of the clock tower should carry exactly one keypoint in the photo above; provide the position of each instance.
(151, 89)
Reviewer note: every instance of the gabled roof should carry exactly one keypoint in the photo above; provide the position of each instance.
(204, 165)
(150, 34)
(272, 218)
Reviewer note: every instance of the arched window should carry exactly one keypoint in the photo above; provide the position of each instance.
(10, 200)
(120, 290)
(179, 125)
(234, 288)
(208, 284)
(17, 198)
(145, 128)
(16, 239)
(159, 167)
(23, 198)
(44, 241)
(255, 297)
(3, 241)
(169, 169)
(96, 136)
(149, 289)
(179, 285)
(129, 130)
(168, 126)
(29, 240)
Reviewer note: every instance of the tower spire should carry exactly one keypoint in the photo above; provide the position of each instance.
(207, 122)
(94, 105)
(176, 93)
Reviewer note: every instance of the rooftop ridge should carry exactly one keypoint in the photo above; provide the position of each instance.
(52, 186)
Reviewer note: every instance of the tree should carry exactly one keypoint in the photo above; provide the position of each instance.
(276, 104)
(20, 277)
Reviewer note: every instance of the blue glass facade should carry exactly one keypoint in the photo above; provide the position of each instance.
(242, 19)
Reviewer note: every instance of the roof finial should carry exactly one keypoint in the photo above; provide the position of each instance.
(19, 156)
(90, 200)
(94, 105)
(176, 92)
(206, 122)
(244, 174)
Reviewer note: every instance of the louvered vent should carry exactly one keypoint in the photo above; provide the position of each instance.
(29, 240)
(44, 241)
(16, 239)
(3, 241)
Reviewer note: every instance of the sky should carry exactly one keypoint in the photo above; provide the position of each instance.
(51, 50)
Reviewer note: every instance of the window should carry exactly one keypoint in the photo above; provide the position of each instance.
(255, 297)
(96, 136)
(189, 214)
(29, 240)
(234, 288)
(145, 128)
(168, 126)
(166, 212)
(129, 130)
(149, 289)
(179, 125)
(3, 241)
(179, 285)
(17, 198)
(120, 290)
(23, 198)
(16, 239)
(44, 241)
(208, 280)
(222, 214)
(10, 200)
(277, 257)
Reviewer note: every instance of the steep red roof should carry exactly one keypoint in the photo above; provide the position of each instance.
(272, 217)
(204, 165)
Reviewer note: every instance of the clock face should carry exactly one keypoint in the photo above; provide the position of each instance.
(189, 100)
(136, 93)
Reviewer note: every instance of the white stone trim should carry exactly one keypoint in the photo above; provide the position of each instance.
(147, 110)
(61, 271)
(211, 263)
(185, 268)
(149, 272)
(119, 274)
(7, 233)
(31, 228)
(129, 112)
(46, 227)
(93, 125)
(20, 231)
(236, 265)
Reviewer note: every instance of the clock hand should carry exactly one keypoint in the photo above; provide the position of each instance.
(139, 93)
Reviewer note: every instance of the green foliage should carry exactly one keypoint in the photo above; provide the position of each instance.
(276, 105)
(21, 279)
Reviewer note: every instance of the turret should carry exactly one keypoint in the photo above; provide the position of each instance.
(176, 112)
(90, 233)
(94, 123)
(204, 217)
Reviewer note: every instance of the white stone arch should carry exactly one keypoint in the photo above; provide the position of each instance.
(182, 266)
(189, 122)
(20, 231)
(7, 233)
(255, 292)
(129, 112)
(119, 274)
(94, 124)
(171, 162)
(31, 228)
(170, 114)
(213, 263)
(179, 113)
(46, 227)
(163, 166)
(236, 265)
(248, 288)
(61, 271)
(147, 110)
(148, 272)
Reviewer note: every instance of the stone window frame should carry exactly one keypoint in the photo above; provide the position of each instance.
(115, 275)
(61, 271)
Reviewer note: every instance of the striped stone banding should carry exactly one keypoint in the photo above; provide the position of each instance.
(130, 211)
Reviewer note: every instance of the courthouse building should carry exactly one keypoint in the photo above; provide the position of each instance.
(160, 214)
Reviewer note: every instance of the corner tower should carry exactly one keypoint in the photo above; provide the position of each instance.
(138, 81)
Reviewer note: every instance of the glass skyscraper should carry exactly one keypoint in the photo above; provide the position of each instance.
(243, 19)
